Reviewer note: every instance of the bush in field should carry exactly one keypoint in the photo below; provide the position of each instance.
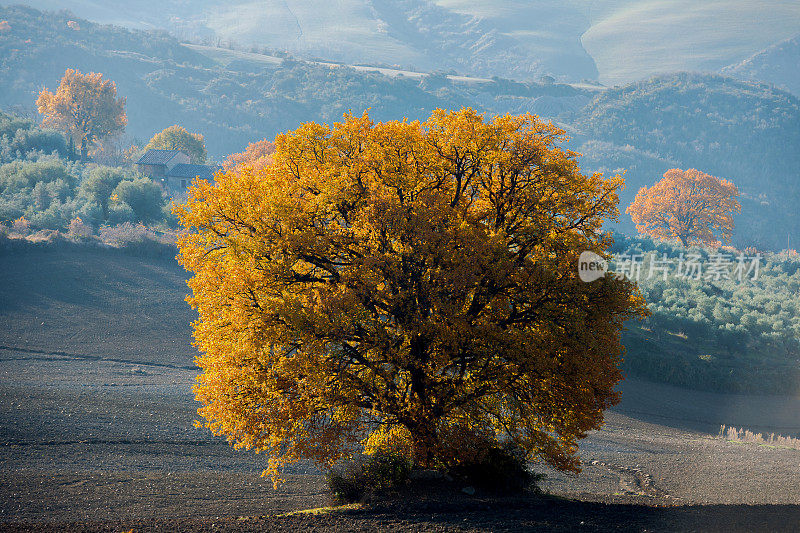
(124, 233)
(499, 469)
(368, 475)
(42, 190)
(143, 196)
(78, 229)
(21, 227)
(13, 206)
(24, 175)
(27, 142)
(99, 185)
(21, 139)
(91, 213)
(56, 216)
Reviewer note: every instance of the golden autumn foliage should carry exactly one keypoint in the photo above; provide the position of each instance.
(177, 138)
(85, 106)
(688, 205)
(406, 285)
(257, 155)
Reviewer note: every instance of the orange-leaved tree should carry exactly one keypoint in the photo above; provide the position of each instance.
(406, 285)
(85, 107)
(256, 155)
(688, 205)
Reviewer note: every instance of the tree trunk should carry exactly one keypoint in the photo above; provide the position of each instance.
(424, 439)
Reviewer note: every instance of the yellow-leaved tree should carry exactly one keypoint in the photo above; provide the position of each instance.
(85, 107)
(177, 138)
(406, 285)
(688, 205)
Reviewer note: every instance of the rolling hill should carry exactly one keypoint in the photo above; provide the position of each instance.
(746, 132)
(629, 40)
(778, 64)
(743, 131)
(615, 41)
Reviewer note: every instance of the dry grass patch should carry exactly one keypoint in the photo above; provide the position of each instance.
(745, 435)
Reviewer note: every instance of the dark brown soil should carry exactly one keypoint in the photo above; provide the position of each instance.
(96, 434)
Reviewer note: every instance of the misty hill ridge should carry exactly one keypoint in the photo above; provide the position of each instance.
(743, 131)
(615, 41)
(779, 65)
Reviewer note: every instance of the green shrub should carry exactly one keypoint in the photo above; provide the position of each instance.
(100, 184)
(367, 475)
(120, 213)
(20, 175)
(90, 213)
(143, 196)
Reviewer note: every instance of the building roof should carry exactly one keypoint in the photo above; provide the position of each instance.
(157, 157)
(182, 170)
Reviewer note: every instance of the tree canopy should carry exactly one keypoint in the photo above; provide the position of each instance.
(406, 285)
(85, 106)
(257, 154)
(688, 205)
(177, 138)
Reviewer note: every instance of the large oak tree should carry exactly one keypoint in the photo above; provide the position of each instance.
(410, 285)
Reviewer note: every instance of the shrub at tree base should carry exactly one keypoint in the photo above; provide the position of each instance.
(366, 476)
(406, 282)
(502, 469)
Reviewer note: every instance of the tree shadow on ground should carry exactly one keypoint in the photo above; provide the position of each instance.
(536, 513)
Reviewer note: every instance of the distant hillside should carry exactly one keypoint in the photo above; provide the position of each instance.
(633, 39)
(746, 132)
(540, 38)
(779, 65)
(616, 40)
(234, 98)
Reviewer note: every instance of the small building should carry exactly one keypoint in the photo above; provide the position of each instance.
(181, 175)
(156, 163)
(172, 169)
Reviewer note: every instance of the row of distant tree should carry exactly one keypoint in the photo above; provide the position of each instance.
(49, 175)
(689, 205)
